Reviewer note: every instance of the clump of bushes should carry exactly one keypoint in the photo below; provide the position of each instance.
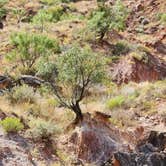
(120, 48)
(42, 130)
(115, 102)
(11, 125)
(22, 94)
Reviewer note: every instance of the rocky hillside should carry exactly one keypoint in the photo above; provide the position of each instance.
(82, 82)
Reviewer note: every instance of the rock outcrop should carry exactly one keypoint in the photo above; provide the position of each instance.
(150, 152)
(95, 140)
(134, 69)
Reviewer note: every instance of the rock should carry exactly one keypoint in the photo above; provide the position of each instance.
(160, 47)
(133, 159)
(30, 80)
(95, 141)
(139, 7)
(133, 69)
(102, 116)
(145, 21)
(5, 82)
(1, 25)
(157, 139)
(2, 115)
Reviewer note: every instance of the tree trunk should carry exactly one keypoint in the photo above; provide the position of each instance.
(77, 110)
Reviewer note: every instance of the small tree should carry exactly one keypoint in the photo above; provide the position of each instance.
(29, 48)
(77, 68)
(41, 19)
(19, 13)
(107, 18)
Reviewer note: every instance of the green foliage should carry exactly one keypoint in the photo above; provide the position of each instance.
(3, 10)
(115, 102)
(77, 69)
(53, 2)
(107, 18)
(41, 18)
(19, 13)
(11, 125)
(162, 17)
(50, 14)
(42, 130)
(76, 61)
(55, 12)
(29, 48)
(3, 2)
(140, 56)
(21, 94)
(46, 69)
(120, 48)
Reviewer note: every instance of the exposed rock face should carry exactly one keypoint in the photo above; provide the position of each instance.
(95, 141)
(132, 69)
(150, 152)
(133, 159)
(13, 153)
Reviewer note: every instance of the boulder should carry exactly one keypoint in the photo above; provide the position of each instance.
(95, 140)
(5, 82)
(30, 80)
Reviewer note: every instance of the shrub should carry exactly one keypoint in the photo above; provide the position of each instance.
(56, 12)
(41, 129)
(3, 10)
(21, 94)
(121, 47)
(140, 56)
(28, 48)
(10, 124)
(46, 69)
(122, 118)
(162, 17)
(41, 18)
(107, 18)
(115, 102)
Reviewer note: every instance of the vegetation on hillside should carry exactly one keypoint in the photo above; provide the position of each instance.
(98, 65)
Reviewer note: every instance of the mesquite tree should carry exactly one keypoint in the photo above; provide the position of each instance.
(28, 49)
(107, 18)
(78, 69)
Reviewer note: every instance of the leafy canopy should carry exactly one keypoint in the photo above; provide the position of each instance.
(107, 18)
(78, 68)
(28, 48)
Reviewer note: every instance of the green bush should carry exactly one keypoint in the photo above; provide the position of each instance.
(42, 130)
(56, 12)
(140, 56)
(115, 102)
(107, 18)
(162, 17)
(29, 48)
(21, 94)
(10, 124)
(120, 48)
(3, 10)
